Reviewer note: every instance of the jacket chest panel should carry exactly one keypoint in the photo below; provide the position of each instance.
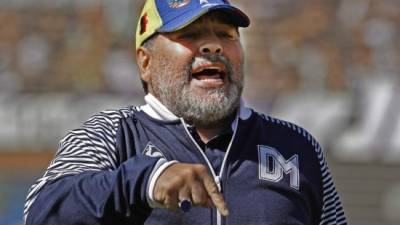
(266, 184)
(252, 200)
(156, 139)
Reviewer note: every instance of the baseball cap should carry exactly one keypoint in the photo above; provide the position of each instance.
(162, 16)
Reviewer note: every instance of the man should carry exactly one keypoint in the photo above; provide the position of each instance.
(193, 154)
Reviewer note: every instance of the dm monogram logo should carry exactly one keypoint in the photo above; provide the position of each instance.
(177, 3)
(272, 165)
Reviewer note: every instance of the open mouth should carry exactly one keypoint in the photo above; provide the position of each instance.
(210, 73)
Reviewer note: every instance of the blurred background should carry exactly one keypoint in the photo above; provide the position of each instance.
(332, 66)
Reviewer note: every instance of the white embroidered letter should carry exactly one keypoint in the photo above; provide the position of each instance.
(272, 165)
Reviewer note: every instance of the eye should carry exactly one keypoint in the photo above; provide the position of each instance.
(228, 35)
(187, 35)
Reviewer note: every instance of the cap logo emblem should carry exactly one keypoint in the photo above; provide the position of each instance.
(204, 2)
(177, 3)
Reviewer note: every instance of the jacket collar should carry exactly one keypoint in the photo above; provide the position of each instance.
(155, 109)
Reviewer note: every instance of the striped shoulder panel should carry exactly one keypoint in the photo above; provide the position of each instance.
(332, 210)
(89, 148)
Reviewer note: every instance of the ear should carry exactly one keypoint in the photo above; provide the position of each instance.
(143, 59)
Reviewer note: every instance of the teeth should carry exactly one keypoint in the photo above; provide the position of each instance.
(214, 68)
(219, 70)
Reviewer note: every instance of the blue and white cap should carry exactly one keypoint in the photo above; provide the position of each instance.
(172, 15)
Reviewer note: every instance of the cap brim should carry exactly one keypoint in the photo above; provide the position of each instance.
(237, 17)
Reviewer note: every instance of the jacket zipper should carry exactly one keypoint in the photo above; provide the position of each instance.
(217, 179)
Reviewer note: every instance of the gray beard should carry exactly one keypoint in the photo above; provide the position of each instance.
(209, 112)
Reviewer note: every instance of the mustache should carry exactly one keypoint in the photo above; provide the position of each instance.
(216, 58)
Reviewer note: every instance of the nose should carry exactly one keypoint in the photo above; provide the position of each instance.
(211, 46)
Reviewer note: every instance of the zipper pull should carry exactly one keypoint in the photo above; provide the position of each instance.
(217, 180)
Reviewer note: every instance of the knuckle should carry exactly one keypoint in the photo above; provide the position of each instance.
(158, 197)
(170, 192)
(201, 170)
(188, 174)
(200, 197)
(169, 203)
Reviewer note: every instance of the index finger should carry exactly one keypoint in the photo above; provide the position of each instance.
(216, 196)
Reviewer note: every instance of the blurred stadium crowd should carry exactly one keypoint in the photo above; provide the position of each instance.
(331, 66)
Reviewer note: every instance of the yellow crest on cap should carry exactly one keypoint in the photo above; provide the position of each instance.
(148, 23)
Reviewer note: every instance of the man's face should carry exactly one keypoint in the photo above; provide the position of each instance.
(197, 72)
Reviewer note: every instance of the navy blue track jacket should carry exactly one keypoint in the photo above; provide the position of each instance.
(269, 171)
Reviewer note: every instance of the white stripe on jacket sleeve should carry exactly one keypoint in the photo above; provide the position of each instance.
(91, 147)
